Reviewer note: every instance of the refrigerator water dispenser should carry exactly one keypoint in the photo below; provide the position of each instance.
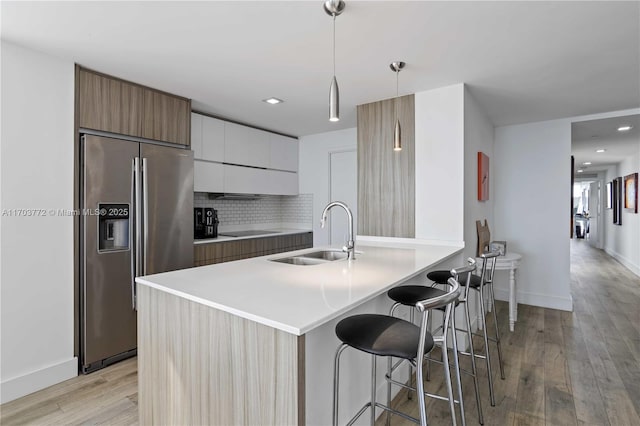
(113, 227)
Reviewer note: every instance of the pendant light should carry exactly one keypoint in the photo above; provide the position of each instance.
(397, 133)
(334, 8)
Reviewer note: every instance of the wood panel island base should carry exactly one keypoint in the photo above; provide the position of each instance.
(251, 342)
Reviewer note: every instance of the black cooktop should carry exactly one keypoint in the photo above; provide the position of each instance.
(245, 233)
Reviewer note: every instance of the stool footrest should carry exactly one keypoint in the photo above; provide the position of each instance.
(476, 355)
(398, 413)
(430, 395)
(359, 413)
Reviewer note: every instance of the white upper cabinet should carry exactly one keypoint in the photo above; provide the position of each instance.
(212, 139)
(284, 153)
(196, 135)
(246, 146)
(208, 177)
(223, 150)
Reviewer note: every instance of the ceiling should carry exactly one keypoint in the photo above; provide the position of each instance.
(589, 136)
(523, 61)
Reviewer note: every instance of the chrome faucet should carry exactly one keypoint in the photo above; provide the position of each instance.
(350, 248)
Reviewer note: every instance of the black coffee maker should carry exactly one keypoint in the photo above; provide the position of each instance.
(205, 223)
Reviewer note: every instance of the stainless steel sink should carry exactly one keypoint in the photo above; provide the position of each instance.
(328, 255)
(313, 258)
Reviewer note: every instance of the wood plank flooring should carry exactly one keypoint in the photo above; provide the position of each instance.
(106, 397)
(562, 368)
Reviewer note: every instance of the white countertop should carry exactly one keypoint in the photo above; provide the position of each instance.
(296, 298)
(270, 232)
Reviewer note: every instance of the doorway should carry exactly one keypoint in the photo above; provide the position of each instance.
(587, 211)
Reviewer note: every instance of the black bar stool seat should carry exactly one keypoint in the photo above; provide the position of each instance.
(409, 295)
(382, 335)
(412, 294)
(441, 277)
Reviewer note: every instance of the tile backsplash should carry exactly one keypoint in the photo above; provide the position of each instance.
(274, 209)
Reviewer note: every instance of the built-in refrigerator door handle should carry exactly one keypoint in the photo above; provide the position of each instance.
(145, 213)
(135, 257)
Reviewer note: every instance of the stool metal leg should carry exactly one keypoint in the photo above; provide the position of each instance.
(373, 389)
(411, 372)
(430, 328)
(486, 347)
(495, 322)
(456, 365)
(420, 390)
(447, 375)
(336, 380)
(389, 366)
(473, 362)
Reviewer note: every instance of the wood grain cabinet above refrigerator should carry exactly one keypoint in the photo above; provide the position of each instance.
(117, 106)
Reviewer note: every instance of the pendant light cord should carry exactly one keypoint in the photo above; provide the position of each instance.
(395, 102)
(334, 44)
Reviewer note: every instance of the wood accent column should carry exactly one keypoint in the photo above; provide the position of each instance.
(201, 366)
(386, 178)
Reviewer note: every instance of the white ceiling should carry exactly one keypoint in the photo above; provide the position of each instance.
(524, 61)
(589, 136)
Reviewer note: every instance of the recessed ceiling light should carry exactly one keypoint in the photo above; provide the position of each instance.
(624, 128)
(600, 150)
(587, 163)
(580, 170)
(273, 101)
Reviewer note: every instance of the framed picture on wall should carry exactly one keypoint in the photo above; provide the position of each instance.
(609, 196)
(631, 192)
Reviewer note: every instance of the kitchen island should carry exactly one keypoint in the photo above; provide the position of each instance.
(252, 342)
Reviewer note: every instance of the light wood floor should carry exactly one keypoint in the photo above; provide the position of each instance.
(562, 368)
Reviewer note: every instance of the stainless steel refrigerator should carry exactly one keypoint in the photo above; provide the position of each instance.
(137, 219)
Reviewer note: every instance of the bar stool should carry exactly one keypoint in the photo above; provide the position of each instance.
(478, 283)
(408, 295)
(383, 335)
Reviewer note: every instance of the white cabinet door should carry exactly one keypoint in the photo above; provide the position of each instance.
(249, 180)
(284, 153)
(281, 183)
(244, 180)
(196, 135)
(212, 139)
(246, 145)
(208, 177)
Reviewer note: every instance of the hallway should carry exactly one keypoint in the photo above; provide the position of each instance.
(604, 337)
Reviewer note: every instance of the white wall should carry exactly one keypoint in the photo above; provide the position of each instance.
(623, 241)
(313, 171)
(37, 251)
(439, 165)
(478, 136)
(532, 186)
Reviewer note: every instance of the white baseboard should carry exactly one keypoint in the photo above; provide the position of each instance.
(537, 299)
(624, 261)
(36, 380)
